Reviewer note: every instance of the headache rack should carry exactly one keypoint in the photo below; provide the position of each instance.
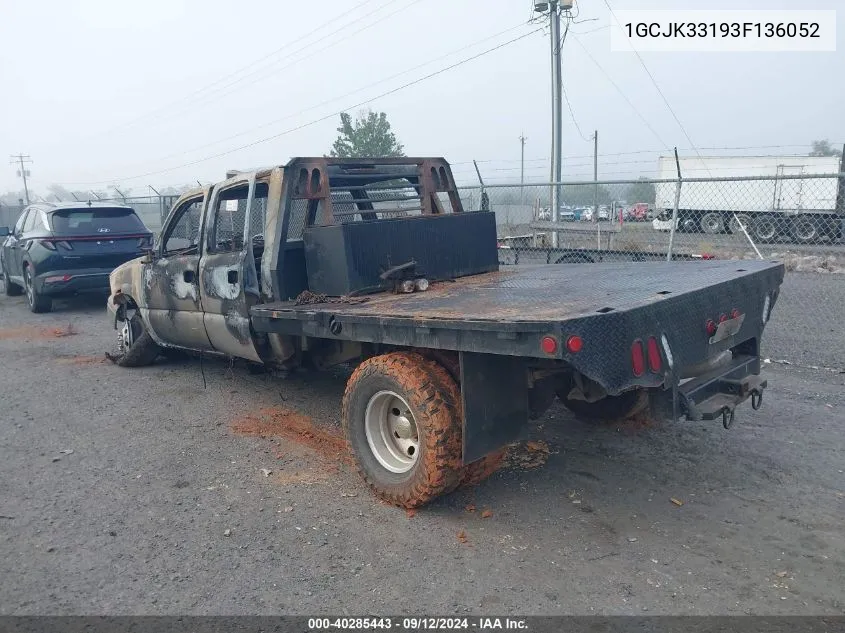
(343, 190)
(358, 219)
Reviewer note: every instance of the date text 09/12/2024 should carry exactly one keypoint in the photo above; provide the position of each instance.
(417, 624)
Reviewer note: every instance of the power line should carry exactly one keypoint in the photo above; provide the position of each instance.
(621, 92)
(343, 96)
(252, 64)
(563, 87)
(320, 119)
(654, 151)
(654, 81)
(259, 74)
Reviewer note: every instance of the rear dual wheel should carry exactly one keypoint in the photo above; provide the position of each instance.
(403, 422)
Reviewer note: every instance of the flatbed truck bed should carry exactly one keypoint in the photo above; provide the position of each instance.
(508, 311)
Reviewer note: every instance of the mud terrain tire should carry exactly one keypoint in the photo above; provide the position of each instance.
(431, 400)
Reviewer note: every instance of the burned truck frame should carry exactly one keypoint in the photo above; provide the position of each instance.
(375, 263)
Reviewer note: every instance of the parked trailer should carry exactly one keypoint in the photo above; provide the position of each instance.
(776, 204)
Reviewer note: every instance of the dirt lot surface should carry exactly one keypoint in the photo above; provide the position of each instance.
(140, 491)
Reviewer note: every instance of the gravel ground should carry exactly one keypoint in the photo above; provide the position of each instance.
(142, 492)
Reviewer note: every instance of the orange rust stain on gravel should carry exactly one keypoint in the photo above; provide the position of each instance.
(29, 332)
(81, 360)
(296, 427)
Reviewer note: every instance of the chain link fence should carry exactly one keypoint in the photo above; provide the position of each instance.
(798, 219)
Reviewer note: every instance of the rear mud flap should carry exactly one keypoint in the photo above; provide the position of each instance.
(494, 394)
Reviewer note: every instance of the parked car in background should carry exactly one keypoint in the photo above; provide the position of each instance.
(57, 250)
(637, 212)
(566, 214)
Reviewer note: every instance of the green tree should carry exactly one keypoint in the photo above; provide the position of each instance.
(642, 191)
(824, 148)
(369, 135)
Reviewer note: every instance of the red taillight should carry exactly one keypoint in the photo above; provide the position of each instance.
(47, 244)
(735, 314)
(574, 344)
(548, 344)
(710, 326)
(63, 278)
(654, 359)
(723, 318)
(638, 358)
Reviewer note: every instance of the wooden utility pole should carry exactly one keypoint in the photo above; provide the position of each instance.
(22, 160)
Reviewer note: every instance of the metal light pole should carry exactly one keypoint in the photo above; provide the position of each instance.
(522, 140)
(557, 121)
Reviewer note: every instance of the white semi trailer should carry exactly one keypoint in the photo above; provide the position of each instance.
(773, 205)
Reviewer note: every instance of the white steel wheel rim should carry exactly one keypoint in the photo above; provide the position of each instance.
(126, 337)
(391, 432)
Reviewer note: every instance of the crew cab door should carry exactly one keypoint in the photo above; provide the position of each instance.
(172, 303)
(228, 274)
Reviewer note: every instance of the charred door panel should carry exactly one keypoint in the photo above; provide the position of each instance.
(171, 302)
(228, 278)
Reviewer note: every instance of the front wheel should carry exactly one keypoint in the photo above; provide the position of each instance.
(135, 346)
(401, 416)
(37, 302)
(11, 289)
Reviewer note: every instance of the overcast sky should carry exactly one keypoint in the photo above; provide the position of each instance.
(103, 92)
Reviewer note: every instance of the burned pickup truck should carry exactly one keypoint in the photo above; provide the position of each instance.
(374, 263)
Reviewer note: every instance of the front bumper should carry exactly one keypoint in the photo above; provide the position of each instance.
(714, 395)
(69, 282)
